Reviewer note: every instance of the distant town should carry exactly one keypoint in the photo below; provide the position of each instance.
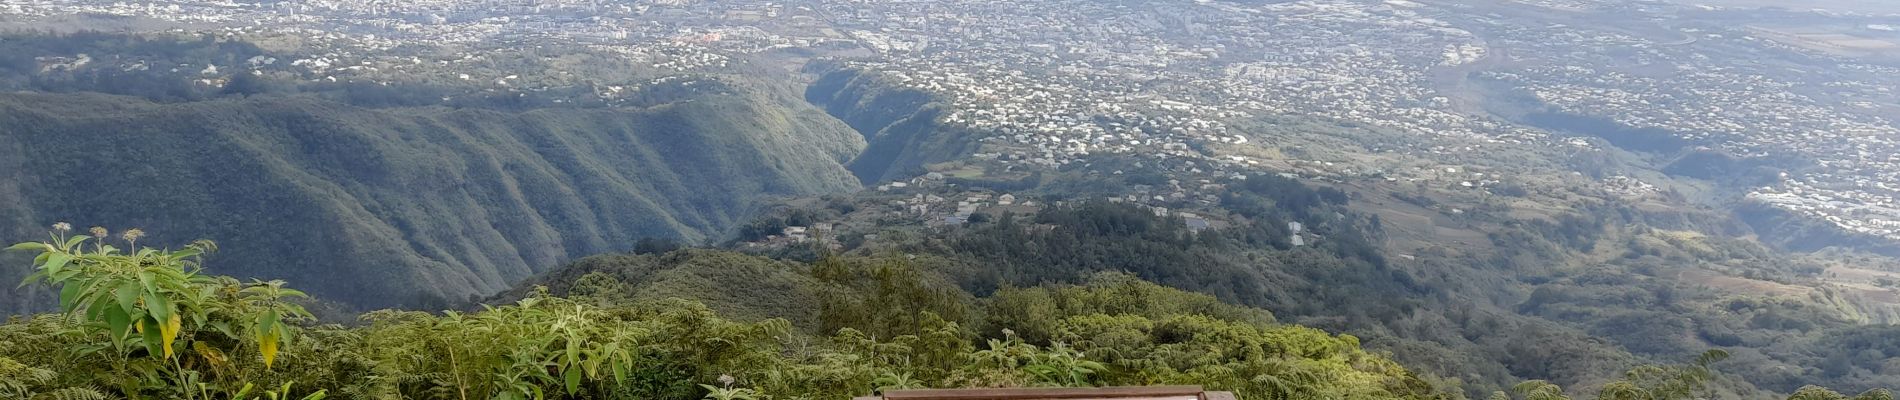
(1190, 86)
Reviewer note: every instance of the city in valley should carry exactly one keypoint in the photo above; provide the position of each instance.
(1433, 88)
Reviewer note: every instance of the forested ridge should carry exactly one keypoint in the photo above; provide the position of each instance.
(380, 207)
(1573, 301)
(382, 190)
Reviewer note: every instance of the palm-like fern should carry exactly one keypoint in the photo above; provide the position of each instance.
(1283, 381)
(727, 393)
(73, 394)
(893, 380)
(1063, 366)
(18, 381)
(1820, 393)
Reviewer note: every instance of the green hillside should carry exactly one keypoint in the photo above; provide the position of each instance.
(1573, 300)
(379, 207)
(900, 125)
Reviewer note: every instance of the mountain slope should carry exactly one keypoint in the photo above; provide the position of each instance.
(900, 125)
(397, 206)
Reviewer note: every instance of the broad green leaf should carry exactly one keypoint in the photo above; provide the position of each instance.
(55, 261)
(128, 297)
(96, 308)
(28, 246)
(119, 322)
(152, 331)
(158, 305)
(186, 253)
(149, 280)
(266, 322)
(31, 279)
(75, 241)
(69, 296)
(573, 378)
(224, 328)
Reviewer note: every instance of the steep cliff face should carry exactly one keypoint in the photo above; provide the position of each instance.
(901, 125)
(381, 207)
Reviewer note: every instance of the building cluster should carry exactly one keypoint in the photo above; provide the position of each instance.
(1814, 116)
(1178, 83)
(929, 199)
(1628, 187)
(502, 45)
(1058, 80)
(822, 233)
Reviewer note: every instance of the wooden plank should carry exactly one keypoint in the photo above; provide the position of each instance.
(1129, 393)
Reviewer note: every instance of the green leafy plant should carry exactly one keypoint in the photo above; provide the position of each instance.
(157, 314)
(719, 393)
(894, 380)
(1063, 366)
(282, 393)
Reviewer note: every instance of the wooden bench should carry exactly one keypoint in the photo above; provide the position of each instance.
(1108, 393)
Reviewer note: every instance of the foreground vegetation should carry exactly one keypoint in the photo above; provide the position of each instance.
(146, 323)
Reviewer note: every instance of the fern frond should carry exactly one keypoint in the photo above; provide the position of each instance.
(74, 393)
